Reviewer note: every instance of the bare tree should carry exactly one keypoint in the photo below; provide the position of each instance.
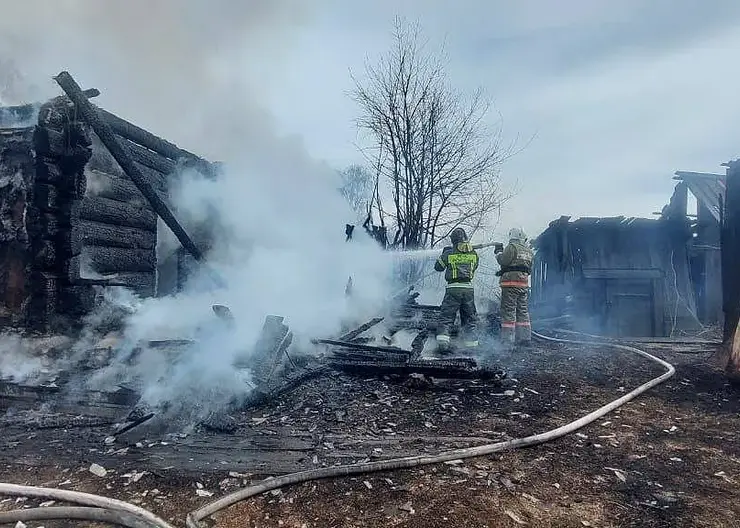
(430, 143)
(357, 186)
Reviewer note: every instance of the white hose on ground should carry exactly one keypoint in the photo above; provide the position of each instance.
(73, 513)
(193, 518)
(77, 497)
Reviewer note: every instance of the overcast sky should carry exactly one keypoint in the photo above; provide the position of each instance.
(617, 94)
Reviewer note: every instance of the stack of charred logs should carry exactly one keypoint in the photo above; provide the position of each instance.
(72, 218)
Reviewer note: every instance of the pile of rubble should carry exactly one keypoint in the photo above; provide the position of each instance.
(271, 368)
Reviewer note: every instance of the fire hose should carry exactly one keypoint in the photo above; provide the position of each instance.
(125, 514)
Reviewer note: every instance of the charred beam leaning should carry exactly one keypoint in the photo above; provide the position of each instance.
(124, 159)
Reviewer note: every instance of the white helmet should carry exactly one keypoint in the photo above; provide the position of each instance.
(516, 233)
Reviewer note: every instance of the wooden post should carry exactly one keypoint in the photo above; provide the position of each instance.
(730, 270)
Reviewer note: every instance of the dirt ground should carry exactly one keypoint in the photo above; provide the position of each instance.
(670, 458)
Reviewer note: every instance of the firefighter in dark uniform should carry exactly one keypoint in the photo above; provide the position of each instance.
(459, 262)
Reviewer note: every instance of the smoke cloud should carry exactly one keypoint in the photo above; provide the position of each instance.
(191, 71)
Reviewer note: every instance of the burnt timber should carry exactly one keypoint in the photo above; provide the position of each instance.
(72, 218)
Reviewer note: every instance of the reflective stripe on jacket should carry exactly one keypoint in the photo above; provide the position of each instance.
(459, 264)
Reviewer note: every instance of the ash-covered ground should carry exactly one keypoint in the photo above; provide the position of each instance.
(669, 458)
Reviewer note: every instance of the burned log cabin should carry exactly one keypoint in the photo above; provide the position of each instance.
(636, 277)
(71, 219)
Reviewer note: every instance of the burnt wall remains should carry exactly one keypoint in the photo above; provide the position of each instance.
(71, 220)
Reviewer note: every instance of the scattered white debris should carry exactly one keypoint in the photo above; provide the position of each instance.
(723, 476)
(531, 498)
(203, 493)
(98, 470)
(676, 459)
(20, 525)
(618, 473)
(367, 484)
(514, 517)
(234, 474)
(581, 435)
(407, 507)
(46, 504)
(531, 390)
(134, 476)
(509, 393)
(109, 440)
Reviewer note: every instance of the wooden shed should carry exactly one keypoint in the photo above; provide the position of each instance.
(615, 276)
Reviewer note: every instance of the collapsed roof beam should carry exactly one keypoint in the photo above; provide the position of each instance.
(119, 152)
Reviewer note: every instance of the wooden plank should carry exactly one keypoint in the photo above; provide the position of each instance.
(149, 158)
(102, 161)
(131, 132)
(106, 185)
(108, 211)
(623, 274)
(143, 283)
(104, 259)
(89, 233)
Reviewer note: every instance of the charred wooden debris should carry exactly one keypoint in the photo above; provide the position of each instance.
(272, 368)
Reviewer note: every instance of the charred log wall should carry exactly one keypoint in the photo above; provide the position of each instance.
(63, 149)
(71, 219)
(114, 229)
(17, 179)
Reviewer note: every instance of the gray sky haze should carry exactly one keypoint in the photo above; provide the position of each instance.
(616, 95)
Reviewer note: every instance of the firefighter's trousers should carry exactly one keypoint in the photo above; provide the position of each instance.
(458, 298)
(515, 324)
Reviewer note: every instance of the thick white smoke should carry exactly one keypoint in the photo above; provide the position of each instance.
(191, 71)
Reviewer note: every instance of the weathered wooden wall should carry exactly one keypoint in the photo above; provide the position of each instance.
(615, 276)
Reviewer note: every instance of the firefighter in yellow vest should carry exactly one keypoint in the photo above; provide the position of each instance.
(516, 265)
(459, 262)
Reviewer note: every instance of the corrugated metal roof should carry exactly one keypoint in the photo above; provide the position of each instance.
(708, 188)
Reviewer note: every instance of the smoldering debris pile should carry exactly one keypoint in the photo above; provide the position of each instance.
(275, 364)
